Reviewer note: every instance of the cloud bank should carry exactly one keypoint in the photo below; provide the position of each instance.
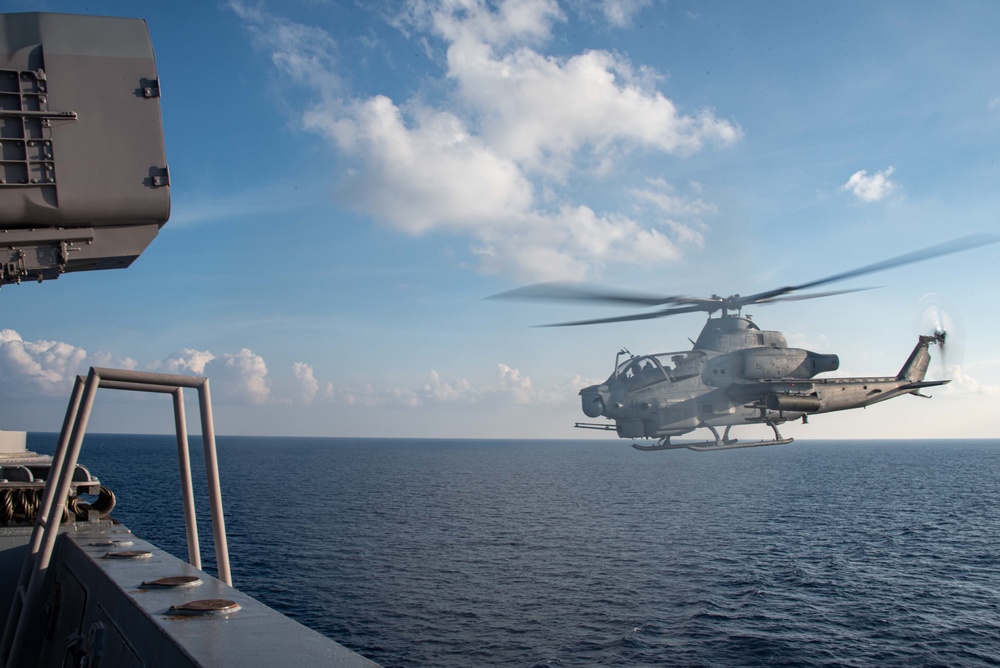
(242, 378)
(500, 156)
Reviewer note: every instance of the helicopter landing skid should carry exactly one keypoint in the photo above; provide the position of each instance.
(663, 444)
(709, 445)
(723, 443)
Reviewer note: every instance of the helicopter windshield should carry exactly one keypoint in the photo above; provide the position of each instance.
(638, 372)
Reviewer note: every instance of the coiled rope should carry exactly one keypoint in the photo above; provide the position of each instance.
(104, 504)
(20, 505)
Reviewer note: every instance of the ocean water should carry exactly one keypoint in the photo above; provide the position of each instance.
(590, 553)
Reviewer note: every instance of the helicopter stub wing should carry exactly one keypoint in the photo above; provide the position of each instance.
(749, 392)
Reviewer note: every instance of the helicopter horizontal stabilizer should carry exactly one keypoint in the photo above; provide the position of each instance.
(922, 384)
(759, 391)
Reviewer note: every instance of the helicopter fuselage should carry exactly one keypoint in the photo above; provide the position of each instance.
(736, 374)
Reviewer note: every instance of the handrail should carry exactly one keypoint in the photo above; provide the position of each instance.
(46, 530)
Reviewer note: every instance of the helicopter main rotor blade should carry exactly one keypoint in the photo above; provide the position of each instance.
(946, 248)
(627, 318)
(812, 295)
(557, 291)
(682, 304)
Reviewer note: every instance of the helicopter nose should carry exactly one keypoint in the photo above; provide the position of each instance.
(593, 402)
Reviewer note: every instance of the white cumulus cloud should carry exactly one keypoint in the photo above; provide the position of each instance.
(308, 384)
(621, 12)
(45, 367)
(239, 378)
(514, 383)
(430, 174)
(102, 359)
(870, 187)
(963, 384)
(437, 389)
(495, 155)
(542, 111)
(187, 361)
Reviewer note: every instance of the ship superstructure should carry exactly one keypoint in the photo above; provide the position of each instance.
(84, 185)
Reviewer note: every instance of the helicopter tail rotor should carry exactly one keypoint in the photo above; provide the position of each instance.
(938, 320)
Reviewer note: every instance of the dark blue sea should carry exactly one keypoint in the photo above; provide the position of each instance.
(590, 553)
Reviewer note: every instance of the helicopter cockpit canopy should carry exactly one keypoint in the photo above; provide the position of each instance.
(83, 173)
(641, 371)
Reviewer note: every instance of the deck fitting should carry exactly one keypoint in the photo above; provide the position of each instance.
(207, 606)
(129, 554)
(174, 581)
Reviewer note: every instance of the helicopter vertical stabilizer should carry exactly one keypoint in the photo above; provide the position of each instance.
(916, 365)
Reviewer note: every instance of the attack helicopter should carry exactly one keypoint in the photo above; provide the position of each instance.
(736, 373)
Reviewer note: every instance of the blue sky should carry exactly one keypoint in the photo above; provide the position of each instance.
(349, 181)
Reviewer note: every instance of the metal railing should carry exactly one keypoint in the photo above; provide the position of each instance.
(46, 529)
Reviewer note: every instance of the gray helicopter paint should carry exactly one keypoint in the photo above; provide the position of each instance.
(735, 389)
(736, 374)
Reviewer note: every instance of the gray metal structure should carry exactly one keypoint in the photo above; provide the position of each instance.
(736, 373)
(120, 601)
(84, 185)
(84, 182)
